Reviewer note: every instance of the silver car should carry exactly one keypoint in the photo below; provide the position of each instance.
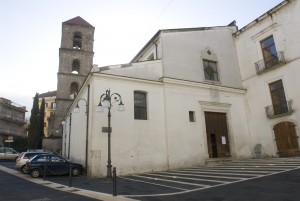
(7, 153)
(24, 157)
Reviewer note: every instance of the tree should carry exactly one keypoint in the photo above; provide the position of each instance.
(33, 135)
(41, 123)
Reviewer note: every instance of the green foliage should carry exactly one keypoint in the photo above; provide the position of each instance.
(20, 143)
(33, 132)
(41, 123)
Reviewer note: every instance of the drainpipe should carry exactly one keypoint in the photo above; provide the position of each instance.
(155, 50)
(70, 124)
(87, 128)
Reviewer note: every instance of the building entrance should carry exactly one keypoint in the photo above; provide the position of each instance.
(217, 135)
(286, 139)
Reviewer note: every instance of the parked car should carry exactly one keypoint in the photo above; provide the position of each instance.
(42, 150)
(7, 153)
(23, 158)
(55, 165)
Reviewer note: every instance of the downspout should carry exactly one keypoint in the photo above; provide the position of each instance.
(87, 128)
(156, 57)
(70, 124)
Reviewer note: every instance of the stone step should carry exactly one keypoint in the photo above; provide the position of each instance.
(215, 161)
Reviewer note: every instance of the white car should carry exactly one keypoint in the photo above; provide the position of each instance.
(7, 153)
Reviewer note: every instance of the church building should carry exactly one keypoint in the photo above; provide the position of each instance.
(190, 95)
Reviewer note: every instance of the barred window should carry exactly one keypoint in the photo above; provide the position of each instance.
(140, 105)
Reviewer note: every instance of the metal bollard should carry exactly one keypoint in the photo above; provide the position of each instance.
(70, 176)
(114, 182)
(44, 175)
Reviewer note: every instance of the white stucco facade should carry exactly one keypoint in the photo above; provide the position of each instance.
(283, 25)
(180, 99)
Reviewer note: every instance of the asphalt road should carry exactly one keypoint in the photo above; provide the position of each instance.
(13, 188)
(278, 187)
(276, 179)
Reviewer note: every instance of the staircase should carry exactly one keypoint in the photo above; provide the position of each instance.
(215, 161)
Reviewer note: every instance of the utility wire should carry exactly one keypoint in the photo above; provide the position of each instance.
(158, 18)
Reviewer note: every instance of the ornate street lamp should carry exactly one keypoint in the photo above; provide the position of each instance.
(106, 101)
(77, 110)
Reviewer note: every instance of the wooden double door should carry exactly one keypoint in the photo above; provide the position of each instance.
(217, 135)
(286, 139)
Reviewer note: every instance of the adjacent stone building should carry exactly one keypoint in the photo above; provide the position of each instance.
(50, 107)
(75, 62)
(12, 119)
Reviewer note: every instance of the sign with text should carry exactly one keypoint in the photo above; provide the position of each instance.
(106, 129)
(223, 140)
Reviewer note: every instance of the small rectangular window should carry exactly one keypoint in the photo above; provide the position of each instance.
(210, 70)
(192, 116)
(140, 105)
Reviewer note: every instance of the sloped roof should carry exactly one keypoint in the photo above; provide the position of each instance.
(78, 21)
(263, 16)
(232, 24)
(47, 94)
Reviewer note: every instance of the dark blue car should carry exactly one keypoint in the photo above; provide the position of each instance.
(54, 165)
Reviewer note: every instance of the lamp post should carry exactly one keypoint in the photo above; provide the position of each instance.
(64, 144)
(106, 102)
(77, 110)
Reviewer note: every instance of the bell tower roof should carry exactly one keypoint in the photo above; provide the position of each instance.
(78, 21)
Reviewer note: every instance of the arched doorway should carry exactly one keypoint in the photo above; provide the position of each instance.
(286, 139)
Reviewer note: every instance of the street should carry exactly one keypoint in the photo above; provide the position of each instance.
(275, 179)
(16, 189)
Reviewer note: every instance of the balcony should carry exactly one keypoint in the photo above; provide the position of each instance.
(271, 62)
(12, 118)
(274, 111)
(5, 131)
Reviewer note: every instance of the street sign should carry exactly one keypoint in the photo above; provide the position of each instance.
(9, 140)
(106, 129)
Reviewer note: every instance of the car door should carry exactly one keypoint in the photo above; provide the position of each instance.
(2, 153)
(58, 165)
(10, 153)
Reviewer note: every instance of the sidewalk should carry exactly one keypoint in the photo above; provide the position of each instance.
(93, 188)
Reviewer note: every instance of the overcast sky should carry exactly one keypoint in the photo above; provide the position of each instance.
(31, 33)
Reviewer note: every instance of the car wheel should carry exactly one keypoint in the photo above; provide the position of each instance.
(75, 171)
(35, 173)
(24, 170)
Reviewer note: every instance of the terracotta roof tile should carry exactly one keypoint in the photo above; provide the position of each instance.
(47, 94)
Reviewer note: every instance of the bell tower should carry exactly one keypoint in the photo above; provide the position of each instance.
(75, 62)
